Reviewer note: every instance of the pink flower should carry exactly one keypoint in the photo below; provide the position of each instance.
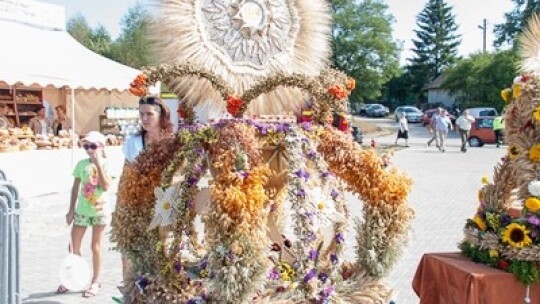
(88, 190)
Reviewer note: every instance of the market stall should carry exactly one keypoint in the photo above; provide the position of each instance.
(43, 57)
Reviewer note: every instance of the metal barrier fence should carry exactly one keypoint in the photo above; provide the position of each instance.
(9, 243)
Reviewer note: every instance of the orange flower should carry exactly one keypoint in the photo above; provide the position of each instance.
(138, 90)
(140, 80)
(351, 84)
(234, 105)
(337, 92)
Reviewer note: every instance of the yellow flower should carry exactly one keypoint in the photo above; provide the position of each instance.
(321, 206)
(493, 253)
(533, 204)
(536, 113)
(480, 222)
(485, 180)
(516, 235)
(516, 90)
(480, 195)
(534, 153)
(506, 95)
(513, 152)
(166, 205)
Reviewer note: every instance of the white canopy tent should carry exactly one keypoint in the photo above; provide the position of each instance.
(37, 51)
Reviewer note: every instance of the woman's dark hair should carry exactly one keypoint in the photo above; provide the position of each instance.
(165, 123)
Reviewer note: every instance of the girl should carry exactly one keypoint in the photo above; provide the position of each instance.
(89, 184)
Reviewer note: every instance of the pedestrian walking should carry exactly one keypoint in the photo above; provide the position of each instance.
(442, 125)
(498, 129)
(464, 124)
(403, 129)
(86, 208)
(432, 128)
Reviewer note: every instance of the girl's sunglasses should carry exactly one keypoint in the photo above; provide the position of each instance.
(90, 146)
(147, 100)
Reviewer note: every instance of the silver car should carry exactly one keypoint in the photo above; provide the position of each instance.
(413, 114)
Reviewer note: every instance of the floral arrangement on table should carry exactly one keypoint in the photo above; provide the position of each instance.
(502, 234)
(265, 177)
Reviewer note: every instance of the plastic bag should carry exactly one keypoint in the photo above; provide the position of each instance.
(74, 272)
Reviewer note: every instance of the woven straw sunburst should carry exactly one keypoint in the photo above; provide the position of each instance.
(530, 47)
(244, 41)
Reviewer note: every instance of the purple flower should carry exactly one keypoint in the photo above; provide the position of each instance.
(307, 126)
(327, 292)
(334, 259)
(243, 174)
(311, 235)
(302, 173)
(310, 215)
(313, 254)
(311, 154)
(192, 180)
(301, 193)
(323, 277)
(203, 264)
(310, 275)
(274, 274)
(534, 220)
(230, 256)
(197, 169)
(177, 266)
(199, 151)
(505, 220)
(339, 238)
(325, 174)
(141, 283)
(263, 129)
(283, 127)
(334, 194)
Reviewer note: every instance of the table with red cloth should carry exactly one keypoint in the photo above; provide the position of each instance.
(451, 278)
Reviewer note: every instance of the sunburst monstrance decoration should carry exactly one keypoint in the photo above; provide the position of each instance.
(244, 41)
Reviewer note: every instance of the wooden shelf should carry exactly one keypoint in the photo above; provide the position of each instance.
(17, 94)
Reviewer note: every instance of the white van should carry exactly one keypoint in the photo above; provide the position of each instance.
(479, 112)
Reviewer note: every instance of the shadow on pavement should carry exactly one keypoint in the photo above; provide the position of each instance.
(34, 298)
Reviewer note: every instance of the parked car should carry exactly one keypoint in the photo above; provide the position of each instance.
(482, 132)
(377, 110)
(413, 114)
(482, 111)
(362, 111)
(426, 119)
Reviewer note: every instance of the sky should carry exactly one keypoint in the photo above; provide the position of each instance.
(469, 15)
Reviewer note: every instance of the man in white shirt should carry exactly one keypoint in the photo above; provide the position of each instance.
(464, 124)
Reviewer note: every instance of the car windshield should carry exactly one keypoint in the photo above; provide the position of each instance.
(411, 110)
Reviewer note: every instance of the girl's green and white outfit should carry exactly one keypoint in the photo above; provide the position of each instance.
(90, 192)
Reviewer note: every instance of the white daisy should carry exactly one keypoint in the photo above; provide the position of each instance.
(534, 188)
(166, 207)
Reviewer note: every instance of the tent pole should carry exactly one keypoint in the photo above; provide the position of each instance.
(73, 134)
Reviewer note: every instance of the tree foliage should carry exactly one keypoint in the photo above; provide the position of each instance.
(479, 79)
(436, 44)
(516, 20)
(363, 46)
(132, 48)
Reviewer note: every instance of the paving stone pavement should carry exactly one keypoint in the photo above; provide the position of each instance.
(443, 197)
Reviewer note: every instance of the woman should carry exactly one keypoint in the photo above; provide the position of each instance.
(40, 124)
(155, 119)
(86, 206)
(156, 125)
(403, 129)
(61, 122)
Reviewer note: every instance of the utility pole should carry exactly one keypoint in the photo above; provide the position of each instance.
(484, 29)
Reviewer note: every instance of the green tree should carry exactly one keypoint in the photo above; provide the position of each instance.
(363, 46)
(133, 46)
(79, 29)
(97, 40)
(397, 91)
(516, 20)
(479, 79)
(436, 45)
